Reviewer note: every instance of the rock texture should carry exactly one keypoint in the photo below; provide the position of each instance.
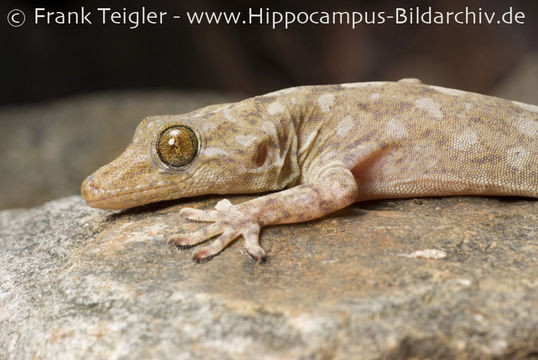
(80, 283)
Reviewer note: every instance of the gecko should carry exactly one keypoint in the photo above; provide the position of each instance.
(313, 150)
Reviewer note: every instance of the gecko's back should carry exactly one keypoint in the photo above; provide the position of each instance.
(407, 139)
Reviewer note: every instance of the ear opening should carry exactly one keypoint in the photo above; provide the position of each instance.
(262, 154)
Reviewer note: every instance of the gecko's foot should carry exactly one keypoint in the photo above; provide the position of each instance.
(229, 223)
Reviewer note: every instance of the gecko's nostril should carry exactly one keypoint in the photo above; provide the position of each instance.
(89, 187)
(91, 183)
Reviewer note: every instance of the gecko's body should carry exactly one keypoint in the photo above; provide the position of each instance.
(328, 146)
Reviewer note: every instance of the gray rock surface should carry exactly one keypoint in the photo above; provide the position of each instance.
(80, 283)
(48, 149)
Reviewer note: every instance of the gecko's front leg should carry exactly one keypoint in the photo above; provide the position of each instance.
(333, 189)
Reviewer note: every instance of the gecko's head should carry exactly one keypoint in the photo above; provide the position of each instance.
(204, 152)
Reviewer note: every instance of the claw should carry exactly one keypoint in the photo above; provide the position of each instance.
(202, 256)
(252, 243)
(259, 257)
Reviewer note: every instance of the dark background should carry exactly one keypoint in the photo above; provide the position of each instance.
(41, 62)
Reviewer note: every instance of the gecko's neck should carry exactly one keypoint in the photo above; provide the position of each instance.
(305, 121)
(287, 112)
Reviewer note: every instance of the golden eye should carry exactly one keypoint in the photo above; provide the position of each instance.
(177, 146)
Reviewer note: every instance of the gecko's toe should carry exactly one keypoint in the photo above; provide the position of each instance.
(257, 255)
(181, 243)
(252, 243)
(199, 215)
(188, 240)
(255, 251)
(202, 256)
(207, 252)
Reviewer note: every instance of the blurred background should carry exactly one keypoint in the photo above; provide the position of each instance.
(71, 95)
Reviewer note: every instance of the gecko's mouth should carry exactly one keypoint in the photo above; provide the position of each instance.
(101, 199)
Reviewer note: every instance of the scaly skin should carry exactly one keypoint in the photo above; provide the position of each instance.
(327, 147)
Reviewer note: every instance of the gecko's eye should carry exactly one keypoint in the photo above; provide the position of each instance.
(177, 146)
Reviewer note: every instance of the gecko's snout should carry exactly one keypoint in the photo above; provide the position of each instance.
(89, 188)
(90, 182)
(96, 195)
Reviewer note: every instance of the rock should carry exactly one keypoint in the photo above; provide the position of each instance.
(48, 149)
(79, 283)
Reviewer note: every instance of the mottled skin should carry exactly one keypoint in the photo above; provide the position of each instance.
(327, 146)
